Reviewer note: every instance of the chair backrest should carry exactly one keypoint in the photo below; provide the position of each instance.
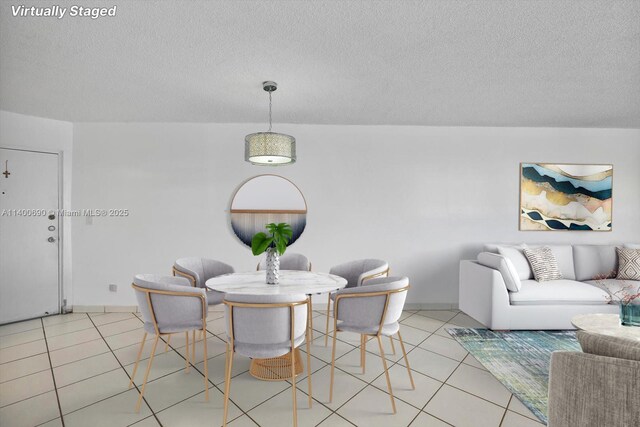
(358, 271)
(289, 261)
(168, 302)
(377, 302)
(199, 270)
(265, 319)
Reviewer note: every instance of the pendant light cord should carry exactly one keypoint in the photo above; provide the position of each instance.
(269, 111)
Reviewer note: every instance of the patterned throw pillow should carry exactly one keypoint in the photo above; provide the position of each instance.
(543, 263)
(628, 264)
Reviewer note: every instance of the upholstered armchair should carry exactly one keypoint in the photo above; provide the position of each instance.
(289, 261)
(356, 273)
(598, 387)
(169, 305)
(371, 310)
(266, 328)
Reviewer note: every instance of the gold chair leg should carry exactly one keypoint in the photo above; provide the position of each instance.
(186, 334)
(326, 332)
(406, 360)
(146, 374)
(309, 370)
(293, 387)
(166, 347)
(227, 382)
(135, 367)
(206, 370)
(310, 319)
(386, 372)
(363, 353)
(393, 347)
(333, 364)
(193, 347)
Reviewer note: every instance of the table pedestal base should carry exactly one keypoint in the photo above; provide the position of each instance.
(276, 368)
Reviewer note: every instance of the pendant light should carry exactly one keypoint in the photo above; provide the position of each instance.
(269, 148)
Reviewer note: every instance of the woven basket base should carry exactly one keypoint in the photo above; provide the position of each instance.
(276, 368)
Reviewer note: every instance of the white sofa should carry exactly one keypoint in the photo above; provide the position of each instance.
(538, 305)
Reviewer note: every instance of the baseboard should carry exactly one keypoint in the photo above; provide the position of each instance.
(220, 308)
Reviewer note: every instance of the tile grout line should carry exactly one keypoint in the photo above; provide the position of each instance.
(53, 377)
(125, 371)
(505, 411)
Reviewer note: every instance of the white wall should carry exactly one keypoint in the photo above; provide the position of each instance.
(422, 198)
(36, 133)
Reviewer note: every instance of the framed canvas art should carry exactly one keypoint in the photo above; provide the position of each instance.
(565, 197)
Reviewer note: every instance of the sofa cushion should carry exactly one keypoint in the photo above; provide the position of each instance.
(610, 346)
(504, 266)
(516, 255)
(558, 292)
(614, 285)
(628, 264)
(594, 261)
(632, 245)
(543, 263)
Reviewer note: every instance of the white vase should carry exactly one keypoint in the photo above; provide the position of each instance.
(273, 266)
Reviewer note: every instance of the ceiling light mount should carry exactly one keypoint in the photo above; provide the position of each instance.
(269, 148)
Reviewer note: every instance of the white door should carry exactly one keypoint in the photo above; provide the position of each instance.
(29, 246)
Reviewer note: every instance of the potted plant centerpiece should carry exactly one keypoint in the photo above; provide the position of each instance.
(275, 244)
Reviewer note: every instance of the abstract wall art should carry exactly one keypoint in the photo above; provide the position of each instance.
(264, 199)
(565, 197)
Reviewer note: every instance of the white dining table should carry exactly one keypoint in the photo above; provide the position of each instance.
(290, 283)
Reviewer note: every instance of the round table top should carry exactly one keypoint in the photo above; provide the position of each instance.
(605, 324)
(291, 282)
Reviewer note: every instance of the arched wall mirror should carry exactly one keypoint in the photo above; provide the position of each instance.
(264, 199)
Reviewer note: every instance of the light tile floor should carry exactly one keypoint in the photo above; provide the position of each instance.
(75, 368)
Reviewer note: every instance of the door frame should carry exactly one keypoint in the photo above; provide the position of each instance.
(61, 240)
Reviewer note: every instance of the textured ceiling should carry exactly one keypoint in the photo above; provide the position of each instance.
(458, 63)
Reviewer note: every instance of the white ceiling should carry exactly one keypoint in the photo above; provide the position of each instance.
(459, 63)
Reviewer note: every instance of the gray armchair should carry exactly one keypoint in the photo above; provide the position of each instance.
(289, 261)
(268, 329)
(199, 270)
(169, 305)
(356, 272)
(596, 388)
(371, 310)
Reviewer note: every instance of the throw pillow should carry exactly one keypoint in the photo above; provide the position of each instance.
(628, 264)
(543, 263)
(514, 253)
(504, 266)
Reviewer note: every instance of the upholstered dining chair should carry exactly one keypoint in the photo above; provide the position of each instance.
(296, 262)
(198, 271)
(266, 328)
(371, 310)
(289, 261)
(356, 273)
(169, 305)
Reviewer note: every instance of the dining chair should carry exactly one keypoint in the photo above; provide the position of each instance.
(267, 327)
(295, 262)
(289, 261)
(371, 310)
(169, 305)
(356, 273)
(198, 271)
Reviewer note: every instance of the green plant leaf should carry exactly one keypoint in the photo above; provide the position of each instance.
(281, 246)
(260, 242)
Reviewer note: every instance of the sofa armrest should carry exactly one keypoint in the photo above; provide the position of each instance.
(483, 295)
(588, 390)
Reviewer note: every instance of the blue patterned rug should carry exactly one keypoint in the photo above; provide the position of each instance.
(518, 359)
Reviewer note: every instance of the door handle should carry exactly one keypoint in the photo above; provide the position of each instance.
(51, 239)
